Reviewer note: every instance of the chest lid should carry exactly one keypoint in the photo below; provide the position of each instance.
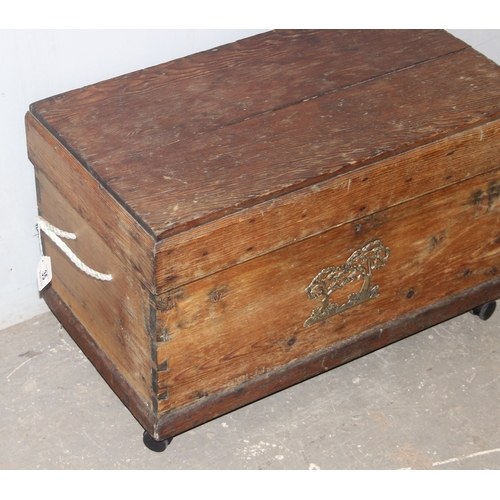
(193, 140)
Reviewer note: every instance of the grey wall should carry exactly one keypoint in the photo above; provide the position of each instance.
(35, 64)
(485, 41)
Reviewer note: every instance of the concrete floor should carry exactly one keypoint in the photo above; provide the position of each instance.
(431, 401)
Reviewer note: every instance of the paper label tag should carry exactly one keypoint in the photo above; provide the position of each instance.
(44, 272)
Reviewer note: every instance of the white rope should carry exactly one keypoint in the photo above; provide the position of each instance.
(53, 233)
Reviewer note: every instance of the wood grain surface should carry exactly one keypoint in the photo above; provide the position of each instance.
(172, 423)
(288, 219)
(422, 88)
(242, 322)
(232, 83)
(116, 312)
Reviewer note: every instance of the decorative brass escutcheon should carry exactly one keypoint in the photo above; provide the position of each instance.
(360, 265)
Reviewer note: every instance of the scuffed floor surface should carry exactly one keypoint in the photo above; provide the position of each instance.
(431, 401)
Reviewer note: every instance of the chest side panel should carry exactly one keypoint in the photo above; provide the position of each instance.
(116, 313)
(256, 317)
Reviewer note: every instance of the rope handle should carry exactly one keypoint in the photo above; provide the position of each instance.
(55, 234)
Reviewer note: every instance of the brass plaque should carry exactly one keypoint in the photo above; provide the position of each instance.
(359, 266)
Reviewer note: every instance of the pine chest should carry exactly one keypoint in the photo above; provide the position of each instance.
(267, 210)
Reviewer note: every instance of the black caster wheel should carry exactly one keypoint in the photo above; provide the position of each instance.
(154, 445)
(485, 311)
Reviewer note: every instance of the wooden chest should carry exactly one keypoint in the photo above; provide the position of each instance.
(268, 210)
